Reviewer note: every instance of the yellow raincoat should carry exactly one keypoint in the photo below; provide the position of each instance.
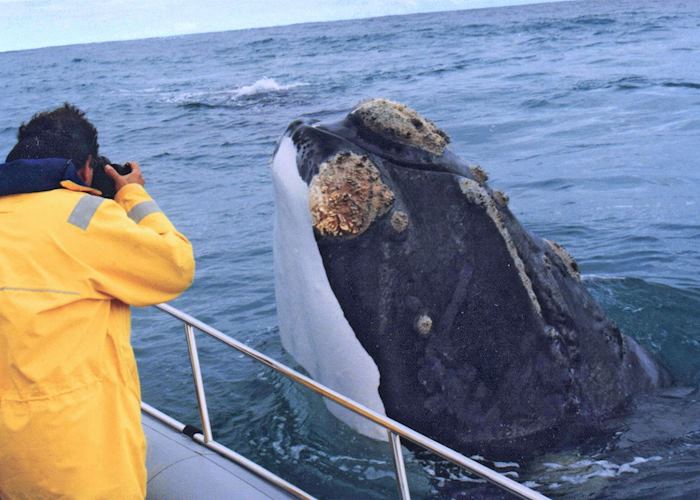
(70, 262)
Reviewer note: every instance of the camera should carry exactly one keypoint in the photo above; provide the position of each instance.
(102, 181)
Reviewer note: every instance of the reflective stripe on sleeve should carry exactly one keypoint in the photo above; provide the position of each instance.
(142, 210)
(84, 211)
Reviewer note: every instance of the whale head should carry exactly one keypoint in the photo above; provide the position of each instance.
(471, 330)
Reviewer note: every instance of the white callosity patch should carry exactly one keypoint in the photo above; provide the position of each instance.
(566, 258)
(347, 195)
(477, 195)
(423, 325)
(402, 124)
(312, 325)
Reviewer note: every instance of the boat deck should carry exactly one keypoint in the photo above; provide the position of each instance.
(179, 468)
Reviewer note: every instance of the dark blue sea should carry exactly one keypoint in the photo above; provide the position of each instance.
(586, 113)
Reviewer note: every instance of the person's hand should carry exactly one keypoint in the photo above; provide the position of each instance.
(133, 177)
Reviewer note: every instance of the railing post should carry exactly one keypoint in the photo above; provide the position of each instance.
(401, 478)
(198, 383)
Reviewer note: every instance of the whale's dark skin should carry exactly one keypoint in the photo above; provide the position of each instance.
(496, 372)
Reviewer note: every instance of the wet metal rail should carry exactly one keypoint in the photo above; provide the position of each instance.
(395, 430)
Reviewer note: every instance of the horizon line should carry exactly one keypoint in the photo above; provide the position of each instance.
(283, 25)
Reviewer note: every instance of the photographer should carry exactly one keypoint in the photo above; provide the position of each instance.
(71, 263)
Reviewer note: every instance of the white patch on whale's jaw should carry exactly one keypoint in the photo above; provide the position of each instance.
(312, 325)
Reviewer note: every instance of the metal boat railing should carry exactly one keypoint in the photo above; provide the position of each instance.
(395, 430)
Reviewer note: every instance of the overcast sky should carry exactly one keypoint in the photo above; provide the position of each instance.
(40, 23)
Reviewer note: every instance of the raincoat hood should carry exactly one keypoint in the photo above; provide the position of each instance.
(33, 176)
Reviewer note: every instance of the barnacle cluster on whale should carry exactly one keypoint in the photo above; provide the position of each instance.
(347, 195)
(402, 124)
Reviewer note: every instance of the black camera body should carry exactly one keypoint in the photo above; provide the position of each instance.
(102, 181)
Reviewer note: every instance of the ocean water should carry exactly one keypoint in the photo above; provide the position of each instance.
(586, 113)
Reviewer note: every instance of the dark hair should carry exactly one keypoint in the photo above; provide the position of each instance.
(61, 133)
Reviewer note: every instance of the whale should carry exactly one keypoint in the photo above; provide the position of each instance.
(404, 281)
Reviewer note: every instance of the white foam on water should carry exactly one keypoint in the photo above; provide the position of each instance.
(503, 465)
(228, 96)
(313, 328)
(584, 470)
(263, 86)
(551, 465)
(373, 474)
(295, 451)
